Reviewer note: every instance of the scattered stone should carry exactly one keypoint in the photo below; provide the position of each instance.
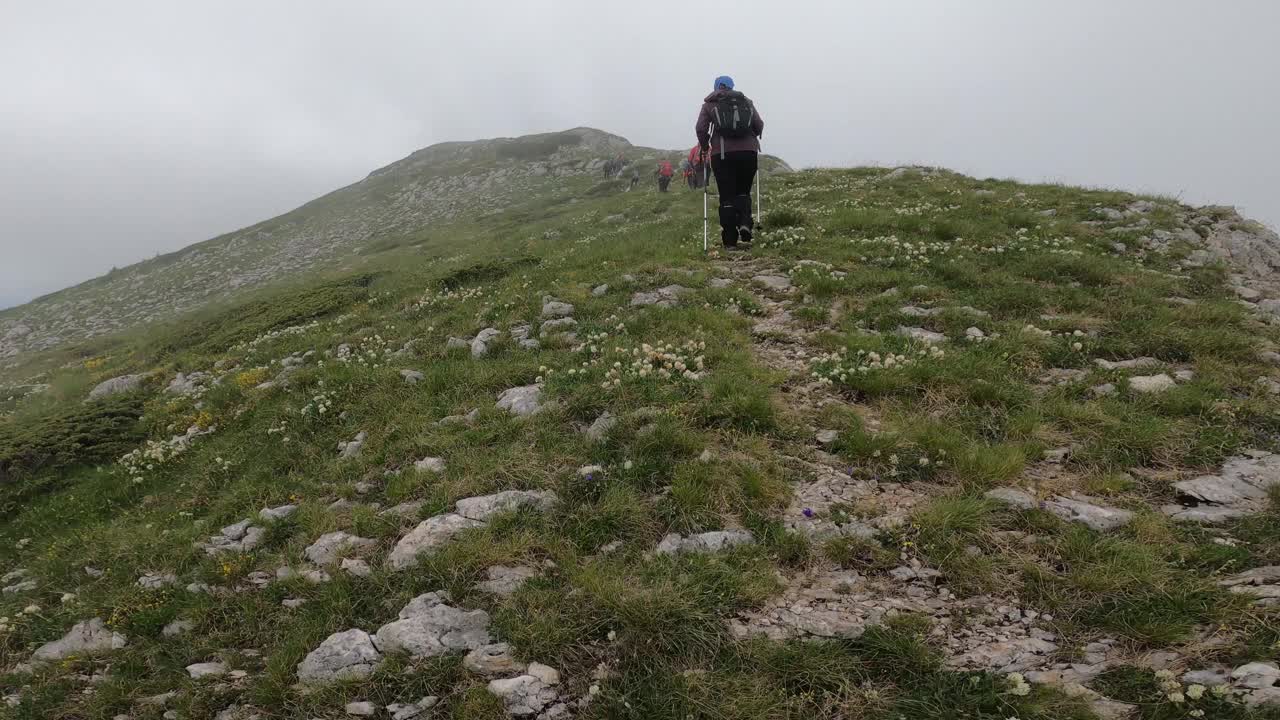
(492, 660)
(356, 567)
(1103, 390)
(350, 449)
(293, 603)
(277, 513)
(177, 627)
(19, 587)
(1012, 496)
(362, 708)
(88, 637)
(347, 655)
(600, 290)
(1208, 678)
(666, 297)
(1142, 362)
(1151, 384)
(1256, 675)
(407, 510)
(116, 386)
(777, 283)
(328, 547)
(456, 343)
(601, 427)
(919, 312)
(720, 283)
(155, 581)
(1184, 375)
(428, 535)
(1057, 456)
(704, 542)
(523, 695)
(556, 309)
(486, 506)
(408, 711)
(1096, 517)
(480, 344)
(505, 580)
(1240, 488)
(826, 437)
(559, 325)
(520, 333)
(199, 671)
(926, 336)
(428, 626)
(521, 401)
(413, 377)
(430, 464)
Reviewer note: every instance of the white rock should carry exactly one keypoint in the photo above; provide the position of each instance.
(428, 626)
(492, 660)
(925, 336)
(505, 580)
(115, 386)
(480, 345)
(1151, 384)
(326, 549)
(88, 637)
(523, 695)
(430, 464)
(704, 542)
(413, 377)
(348, 655)
(356, 567)
(556, 309)
(177, 627)
(1256, 675)
(601, 426)
(1012, 496)
(428, 535)
(778, 283)
(362, 708)
(277, 513)
(486, 506)
(408, 711)
(199, 671)
(1097, 517)
(600, 290)
(545, 673)
(521, 401)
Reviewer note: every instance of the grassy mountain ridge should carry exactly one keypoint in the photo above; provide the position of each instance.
(936, 447)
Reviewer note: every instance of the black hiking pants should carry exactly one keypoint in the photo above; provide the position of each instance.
(663, 182)
(735, 174)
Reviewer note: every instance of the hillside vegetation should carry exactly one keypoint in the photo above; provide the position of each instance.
(936, 447)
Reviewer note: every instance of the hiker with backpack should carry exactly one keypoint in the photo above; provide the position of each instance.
(664, 173)
(697, 169)
(635, 179)
(729, 130)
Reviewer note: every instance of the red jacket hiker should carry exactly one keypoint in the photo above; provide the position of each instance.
(665, 169)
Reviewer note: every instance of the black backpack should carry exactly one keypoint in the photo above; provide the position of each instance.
(732, 115)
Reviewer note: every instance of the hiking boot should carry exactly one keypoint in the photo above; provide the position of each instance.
(744, 234)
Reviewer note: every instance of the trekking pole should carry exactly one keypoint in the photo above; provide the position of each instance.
(704, 207)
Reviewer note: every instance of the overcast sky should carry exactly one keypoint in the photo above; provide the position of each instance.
(129, 128)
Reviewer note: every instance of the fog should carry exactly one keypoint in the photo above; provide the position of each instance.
(134, 128)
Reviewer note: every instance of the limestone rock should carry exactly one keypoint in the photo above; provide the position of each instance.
(89, 637)
(480, 344)
(428, 535)
(408, 711)
(713, 541)
(328, 547)
(523, 695)
(556, 309)
(430, 464)
(1151, 384)
(1256, 675)
(352, 448)
(505, 580)
(777, 283)
(492, 660)
(1012, 496)
(177, 627)
(360, 708)
(485, 506)
(428, 626)
(412, 377)
(521, 401)
(925, 336)
(277, 513)
(601, 426)
(1096, 517)
(115, 386)
(348, 655)
(199, 671)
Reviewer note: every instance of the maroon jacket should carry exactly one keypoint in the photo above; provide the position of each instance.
(707, 136)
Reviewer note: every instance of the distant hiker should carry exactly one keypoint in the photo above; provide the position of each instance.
(635, 179)
(697, 167)
(664, 175)
(729, 129)
(686, 172)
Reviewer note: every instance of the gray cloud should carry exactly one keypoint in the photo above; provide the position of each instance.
(131, 128)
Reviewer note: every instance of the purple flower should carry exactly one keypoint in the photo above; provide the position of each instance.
(808, 512)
